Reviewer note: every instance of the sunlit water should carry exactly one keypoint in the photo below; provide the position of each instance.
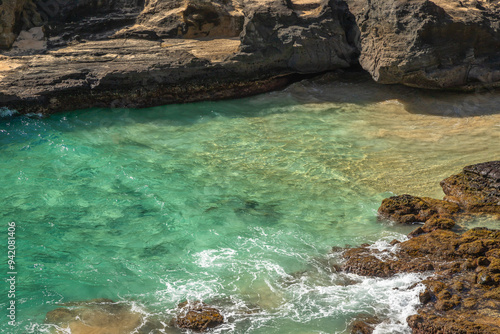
(236, 203)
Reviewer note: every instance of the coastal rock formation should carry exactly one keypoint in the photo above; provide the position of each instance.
(122, 55)
(408, 209)
(301, 41)
(197, 316)
(476, 188)
(10, 21)
(463, 293)
(140, 53)
(430, 44)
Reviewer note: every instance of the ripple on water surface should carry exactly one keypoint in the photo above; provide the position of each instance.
(236, 203)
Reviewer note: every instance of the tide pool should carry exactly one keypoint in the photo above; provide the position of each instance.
(236, 203)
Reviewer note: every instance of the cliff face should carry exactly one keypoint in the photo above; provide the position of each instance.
(430, 44)
(144, 52)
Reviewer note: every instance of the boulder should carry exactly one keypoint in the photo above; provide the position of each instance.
(408, 209)
(476, 188)
(430, 44)
(10, 21)
(197, 316)
(321, 40)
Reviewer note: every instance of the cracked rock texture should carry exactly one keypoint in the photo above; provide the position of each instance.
(430, 44)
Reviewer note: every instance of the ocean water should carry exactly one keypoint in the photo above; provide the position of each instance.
(236, 203)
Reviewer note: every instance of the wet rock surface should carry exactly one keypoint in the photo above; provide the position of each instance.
(408, 209)
(476, 188)
(364, 325)
(197, 316)
(101, 316)
(462, 292)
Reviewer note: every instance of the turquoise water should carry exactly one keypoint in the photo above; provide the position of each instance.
(236, 203)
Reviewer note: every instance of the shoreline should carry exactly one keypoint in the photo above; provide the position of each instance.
(227, 50)
(462, 291)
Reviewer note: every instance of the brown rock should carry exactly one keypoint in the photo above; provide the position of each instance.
(197, 316)
(476, 188)
(407, 209)
(364, 325)
(10, 14)
(102, 316)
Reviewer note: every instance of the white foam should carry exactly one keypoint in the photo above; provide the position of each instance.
(6, 112)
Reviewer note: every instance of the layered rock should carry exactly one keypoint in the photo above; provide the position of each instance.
(430, 44)
(98, 53)
(121, 56)
(463, 293)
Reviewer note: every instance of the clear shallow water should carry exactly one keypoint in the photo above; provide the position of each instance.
(236, 203)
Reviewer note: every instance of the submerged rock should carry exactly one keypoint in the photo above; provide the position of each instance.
(101, 316)
(197, 316)
(463, 295)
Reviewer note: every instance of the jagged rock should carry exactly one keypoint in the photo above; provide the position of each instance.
(364, 325)
(463, 295)
(430, 44)
(466, 277)
(476, 188)
(10, 15)
(319, 41)
(408, 209)
(197, 316)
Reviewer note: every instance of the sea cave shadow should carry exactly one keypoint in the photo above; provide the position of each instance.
(359, 88)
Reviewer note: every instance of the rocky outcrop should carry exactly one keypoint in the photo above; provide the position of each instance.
(463, 293)
(309, 42)
(122, 55)
(408, 209)
(476, 188)
(364, 325)
(197, 316)
(10, 21)
(139, 53)
(430, 44)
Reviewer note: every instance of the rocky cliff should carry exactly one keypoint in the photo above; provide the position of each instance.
(430, 44)
(66, 54)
